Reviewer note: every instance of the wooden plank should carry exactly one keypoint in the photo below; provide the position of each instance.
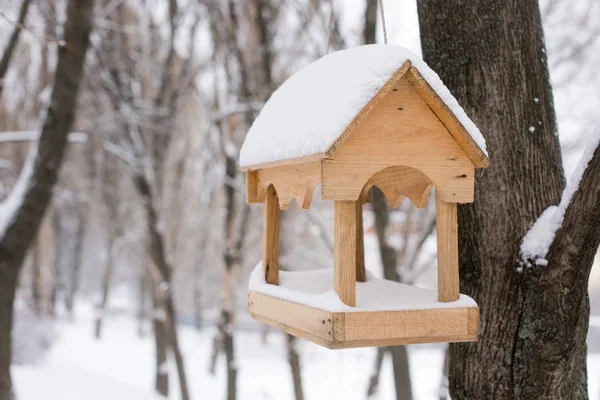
(382, 325)
(251, 187)
(401, 131)
(289, 161)
(291, 182)
(344, 250)
(295, 331)
(388, 87)
(341, 330)
(351, 344)
(361, 275)
(447, 248)
(317, 323)
(441, 110)
(271, 237)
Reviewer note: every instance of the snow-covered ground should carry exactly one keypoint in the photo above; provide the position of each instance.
(120, 367)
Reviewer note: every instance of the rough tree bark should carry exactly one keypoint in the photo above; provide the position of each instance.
(21, 229)
(11, 45)
(492, 57)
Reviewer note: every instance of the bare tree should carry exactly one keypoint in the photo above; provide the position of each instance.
(145, 102)
(534, 312)
(31, 195)
(13, 40)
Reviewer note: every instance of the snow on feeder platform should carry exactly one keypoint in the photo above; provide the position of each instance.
(369, 116)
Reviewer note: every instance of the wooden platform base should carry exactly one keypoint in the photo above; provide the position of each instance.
(341, 330)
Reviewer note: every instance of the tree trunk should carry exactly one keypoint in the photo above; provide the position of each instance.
(294, 360)
(175, 348)
(161, 379)
(26, 219)
(198, 296)
(162, 274)
(106, 282)
(492, 57)
(75, 271)
(36, 277)
(144, 284)
(373, 387)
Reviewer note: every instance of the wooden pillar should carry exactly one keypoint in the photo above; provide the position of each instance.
(447, 249)
(271, 237)
(345, 250)
(360, 244)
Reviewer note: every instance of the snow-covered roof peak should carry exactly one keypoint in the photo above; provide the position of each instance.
(311, 109)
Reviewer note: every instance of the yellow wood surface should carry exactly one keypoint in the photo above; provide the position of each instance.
(345, 250)
(360, 244)
(401, 131)
(251, 187)
(291, 182)
(317, 322)
(447, 250)
(339, 330)
(271, 237)
(441, 110)
(281, 163)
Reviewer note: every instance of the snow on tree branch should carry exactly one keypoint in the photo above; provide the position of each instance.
(540, 236)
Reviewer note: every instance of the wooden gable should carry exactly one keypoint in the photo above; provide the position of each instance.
(400, 128)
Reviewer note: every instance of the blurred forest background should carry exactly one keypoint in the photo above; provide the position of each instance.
(135, 286)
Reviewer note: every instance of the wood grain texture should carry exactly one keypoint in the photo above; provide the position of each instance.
(345, 250)
(340, 330)
(252, 187)
(401, 131)
(281, 163)
(397, 182)
(318, 323)
(361, 117)
(361, 275)
(382, 325)
(447, 117)
(271, 237)
(447, 250)
(291, 182)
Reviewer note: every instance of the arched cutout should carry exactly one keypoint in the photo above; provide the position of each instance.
(398, 182)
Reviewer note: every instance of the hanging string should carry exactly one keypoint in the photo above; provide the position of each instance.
(382, 21)
(329, 33)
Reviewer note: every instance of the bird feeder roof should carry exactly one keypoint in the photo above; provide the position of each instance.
(311, 113)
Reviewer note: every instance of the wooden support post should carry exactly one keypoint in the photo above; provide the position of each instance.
(447, 247)
(271, 237)
(360, 244)
(345, 250)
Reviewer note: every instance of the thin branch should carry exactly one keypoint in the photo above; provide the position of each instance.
(12, 42)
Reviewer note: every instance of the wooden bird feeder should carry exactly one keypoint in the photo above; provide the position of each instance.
(369, 116)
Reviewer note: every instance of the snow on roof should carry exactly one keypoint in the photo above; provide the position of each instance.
(306, 114)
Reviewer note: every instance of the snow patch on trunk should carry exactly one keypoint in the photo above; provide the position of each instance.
(540, 236)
